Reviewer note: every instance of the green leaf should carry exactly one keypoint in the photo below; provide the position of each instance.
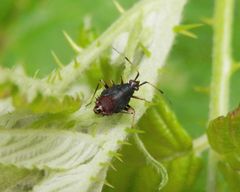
(164, 136)
(51, 149)
(140, 176)
(45, 149)
(183, 172)
(223, 134)
(89, 176)
(13, 179)
(7, 89)
(231, 176)
(49, 104)
(167, 142)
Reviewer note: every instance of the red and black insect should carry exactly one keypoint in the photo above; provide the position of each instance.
(116, 98)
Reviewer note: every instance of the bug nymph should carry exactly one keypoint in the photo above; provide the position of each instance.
(116, 98)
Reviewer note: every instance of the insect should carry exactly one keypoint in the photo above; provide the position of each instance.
(116, 98)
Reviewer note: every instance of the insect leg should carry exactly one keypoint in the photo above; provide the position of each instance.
(97, 87)
(121, 80)
(128, 109)
(104, 84)
(136, 97)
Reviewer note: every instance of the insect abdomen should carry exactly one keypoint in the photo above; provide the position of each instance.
(122, 97)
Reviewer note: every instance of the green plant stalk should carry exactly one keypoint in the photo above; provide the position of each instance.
(219, 93)
(200, 144)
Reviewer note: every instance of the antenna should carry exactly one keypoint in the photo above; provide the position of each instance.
(161, 91)
(145, 82)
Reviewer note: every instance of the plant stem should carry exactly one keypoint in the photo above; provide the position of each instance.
(200, 144)
(219, 96)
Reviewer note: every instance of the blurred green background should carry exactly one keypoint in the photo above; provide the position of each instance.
(30, 29)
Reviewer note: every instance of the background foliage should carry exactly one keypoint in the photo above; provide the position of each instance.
(29, 30)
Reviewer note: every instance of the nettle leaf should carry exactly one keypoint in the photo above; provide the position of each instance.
(231, 176)
(29, 120)
(13, 179)
(223, 133)
(166, 141)
(169, 143)
(7, 89)
(164, 136)
(183, 172)
(47, 104)
(89, 176)
(40, 103)
(75, 161)
(46, 149)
